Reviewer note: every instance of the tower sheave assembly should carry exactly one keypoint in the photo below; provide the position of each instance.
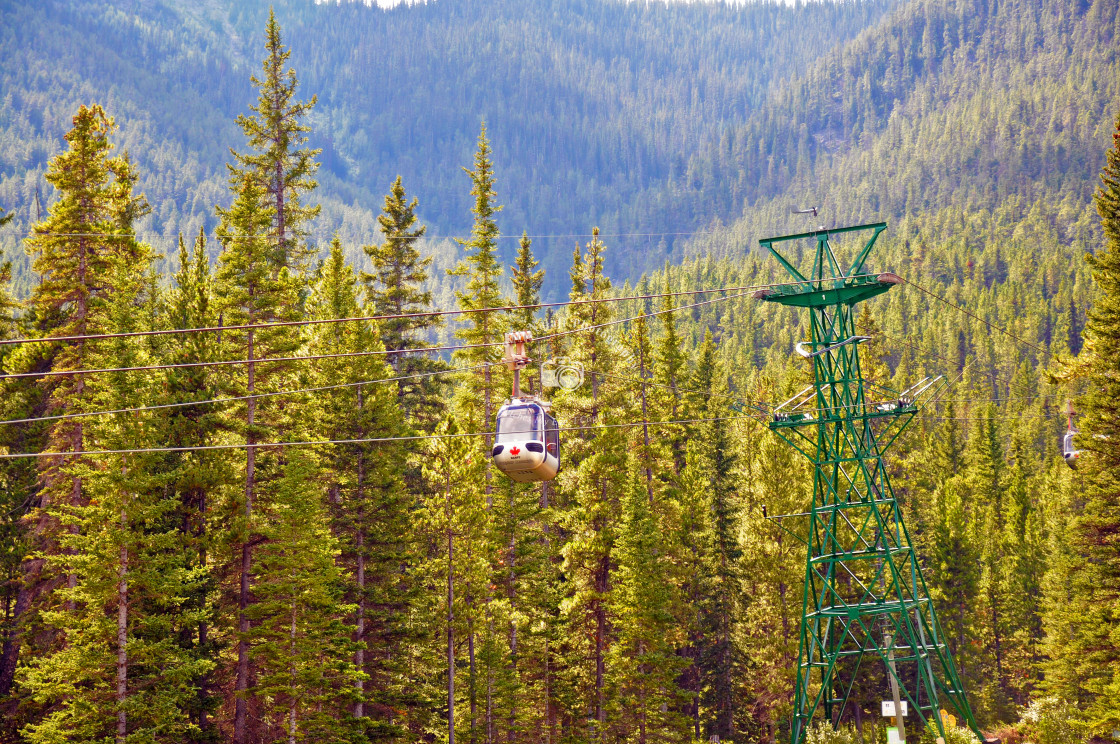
(865, 606)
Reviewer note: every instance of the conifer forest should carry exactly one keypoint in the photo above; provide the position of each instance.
(259, 266)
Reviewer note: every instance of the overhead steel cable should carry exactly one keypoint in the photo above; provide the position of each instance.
(975, 317)
(281, 359)
(368, 440)
(366, 318)
(228, 362)
(383, 352)
(255, 396)
(321, 388)
(426, 236)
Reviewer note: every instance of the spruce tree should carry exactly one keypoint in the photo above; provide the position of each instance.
(255, 287)
(394, 287)
(260, 280)
(369, 505)
(123, 672)
(279, 162)
(194, 477)
(457, 570)
(1097, 520)
(302, 647)
(527, 283)
(714, 462)
(644, 666)
(86, 231)
(591, 487)
(482, 271)
(475, 399)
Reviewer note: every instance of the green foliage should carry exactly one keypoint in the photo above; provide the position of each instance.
(1050, 720)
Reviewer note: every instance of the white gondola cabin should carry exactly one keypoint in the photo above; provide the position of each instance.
(1070, 453)
(527, 446)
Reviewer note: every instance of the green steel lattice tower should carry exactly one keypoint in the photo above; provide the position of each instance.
(865, 601)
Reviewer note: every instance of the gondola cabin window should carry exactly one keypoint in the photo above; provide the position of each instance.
(517, 424)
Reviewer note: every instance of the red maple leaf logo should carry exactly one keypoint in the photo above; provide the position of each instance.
(515, 451)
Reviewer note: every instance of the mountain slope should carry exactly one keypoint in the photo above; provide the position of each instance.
(975, 105)
(589, 102)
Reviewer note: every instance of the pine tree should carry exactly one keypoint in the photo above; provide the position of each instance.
(255, 287)
(712, 462)
(394, 288)
(953, 543)
(457, 571)
(260, 279)
(482, 271)
(369, 504)
(302, 648)
(592, 488)
(986, 481)
(773, 570)
(644, 667)
(124, 671)
(86, 231)
(279, 164)
(475, 398)
(194, 477)
(1097, 520)
(526, 286)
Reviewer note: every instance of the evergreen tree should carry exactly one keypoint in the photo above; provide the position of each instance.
(644, 667)
(302, 648)
(1097, 520)
(122, 672)
(369, 504)
(526, 286)
(394, 288)
(480, 385)
(482, 271)
(712, 459)
(195, 477)
(279, 163)
(86, 231)
(260, 281)
(457, 572)
(255, 287)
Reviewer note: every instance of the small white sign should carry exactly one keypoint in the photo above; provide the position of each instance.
(888, 709)
(893, 737)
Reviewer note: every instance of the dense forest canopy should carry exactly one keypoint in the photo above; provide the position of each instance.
(190, 561)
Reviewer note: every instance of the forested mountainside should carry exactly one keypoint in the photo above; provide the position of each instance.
(589, 103)
(967, 106)
(295, 532)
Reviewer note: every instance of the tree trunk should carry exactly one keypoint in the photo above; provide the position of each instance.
(122, 634)
(450, 623)
(360, 625)
(292, 668)
(240, 716)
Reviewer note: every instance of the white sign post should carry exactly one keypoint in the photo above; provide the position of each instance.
(888, 709)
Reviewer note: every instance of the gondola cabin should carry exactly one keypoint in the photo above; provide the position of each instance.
(527, 445)
(1069, 451)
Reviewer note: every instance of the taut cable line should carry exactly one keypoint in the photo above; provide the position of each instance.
(255, 396)
(366, 318)
(977, 318)
(369, 440)
(381, 352)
